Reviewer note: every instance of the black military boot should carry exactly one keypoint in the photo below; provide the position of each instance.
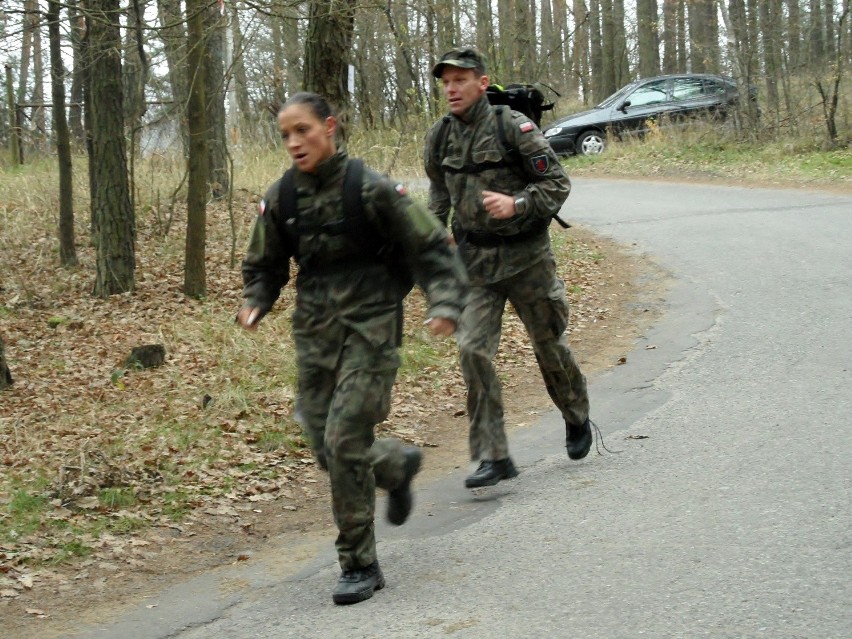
(490, 472)
(358, 585)
(399, 499)
(578, 439)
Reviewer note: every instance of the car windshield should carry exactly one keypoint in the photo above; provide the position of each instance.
(616, 96)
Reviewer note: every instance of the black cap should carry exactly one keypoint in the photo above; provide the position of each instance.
(464, 58)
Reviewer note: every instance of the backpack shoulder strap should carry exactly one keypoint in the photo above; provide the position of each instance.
(509, 149)
(439, 144)
(287, 210)
(357, 225)
(353, 205)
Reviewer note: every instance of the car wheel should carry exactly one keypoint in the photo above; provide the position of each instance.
(590, 143)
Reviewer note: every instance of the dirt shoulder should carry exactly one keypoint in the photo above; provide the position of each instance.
(620, 299)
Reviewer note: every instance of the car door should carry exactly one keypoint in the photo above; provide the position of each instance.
(641, 107)
(694, 97)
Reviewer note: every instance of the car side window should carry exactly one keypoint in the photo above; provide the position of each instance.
(651, 93)
(687, 88)
(711, 87)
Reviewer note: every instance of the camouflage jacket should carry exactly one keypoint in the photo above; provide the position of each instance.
(535, 174)
(342, 285)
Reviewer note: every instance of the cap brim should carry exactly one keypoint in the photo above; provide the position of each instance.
(438, 69)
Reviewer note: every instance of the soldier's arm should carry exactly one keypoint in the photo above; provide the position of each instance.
(439, 195)
(266, 265)
(422, 239)
(549, 184)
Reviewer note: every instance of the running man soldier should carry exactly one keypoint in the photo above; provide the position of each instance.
(341, 232)
(494, 170)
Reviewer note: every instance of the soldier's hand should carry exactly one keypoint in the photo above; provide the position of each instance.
(499, 205)
(248, 317)
(441, 326)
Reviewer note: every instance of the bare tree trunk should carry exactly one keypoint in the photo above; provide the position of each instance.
(281, 78)
(504, 59)
(596, 53)
(648, 38)
(115, 223)
(703, 36)
(86, 75)
(581, 56)
(67, 251)
(173, 35)
(78, 25)
(564, 76)
(736, 19)
(484, 31)
(14, 131)
(195, 272)
(5, 374)
(214, 93)
(830, 91)
(682, 51)
(327, 46)
(38, 114)
(622, 66)
(246, 116)
(770, 27)
(523, 44)
(293, 50)
(135, 73)
(794, 34)
(670, 36)
(406, 72)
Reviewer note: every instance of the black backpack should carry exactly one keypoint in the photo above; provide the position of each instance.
(354, 223)
(526, 98)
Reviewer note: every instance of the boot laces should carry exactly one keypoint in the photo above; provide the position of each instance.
(599, 436)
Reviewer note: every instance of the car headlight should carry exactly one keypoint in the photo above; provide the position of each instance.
(554, 131)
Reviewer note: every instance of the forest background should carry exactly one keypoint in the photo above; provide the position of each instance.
(137, 138)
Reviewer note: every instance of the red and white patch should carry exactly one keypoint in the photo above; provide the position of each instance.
(261, 207)
(526, 127)
(540, 164)
(400, 188)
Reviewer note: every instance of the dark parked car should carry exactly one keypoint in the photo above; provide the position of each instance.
(664, 100)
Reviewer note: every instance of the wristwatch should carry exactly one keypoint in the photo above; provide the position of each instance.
(520, 205)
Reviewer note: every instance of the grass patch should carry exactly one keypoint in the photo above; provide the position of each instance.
(117, 498)
(74, 549)
(25, 514)
(177, 505)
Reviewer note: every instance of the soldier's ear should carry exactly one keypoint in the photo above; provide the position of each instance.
(330, 126)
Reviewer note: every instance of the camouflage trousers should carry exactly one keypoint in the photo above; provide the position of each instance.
(538, 297)
(339, 406)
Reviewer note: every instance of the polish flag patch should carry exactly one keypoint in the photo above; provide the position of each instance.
(261, 207)
(400, 188)
(526, 127)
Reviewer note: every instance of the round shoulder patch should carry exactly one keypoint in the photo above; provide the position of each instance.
(540, 163)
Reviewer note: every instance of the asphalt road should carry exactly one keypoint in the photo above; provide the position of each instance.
(727, 513)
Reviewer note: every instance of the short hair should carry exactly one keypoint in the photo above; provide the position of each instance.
(318, 105)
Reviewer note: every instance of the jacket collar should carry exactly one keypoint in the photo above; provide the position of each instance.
(327, 171)
(476, 111)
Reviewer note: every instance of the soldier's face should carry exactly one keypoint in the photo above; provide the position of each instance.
(462, 88)
(308, 138)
